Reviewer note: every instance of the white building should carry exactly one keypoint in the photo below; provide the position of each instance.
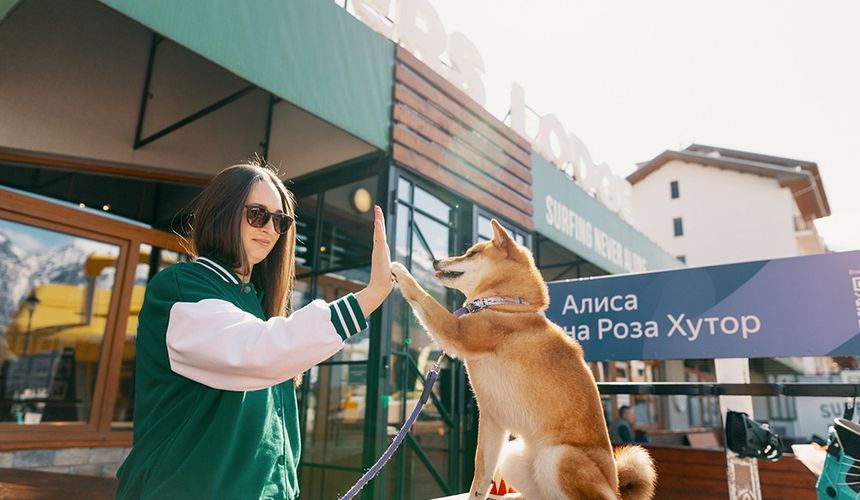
(711, 205)
(708, 206)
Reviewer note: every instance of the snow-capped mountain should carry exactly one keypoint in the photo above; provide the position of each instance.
(14, 279)
(20, 272)
(7, 247)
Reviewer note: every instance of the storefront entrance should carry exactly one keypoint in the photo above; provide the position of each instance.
(428, 224)
(353, 404)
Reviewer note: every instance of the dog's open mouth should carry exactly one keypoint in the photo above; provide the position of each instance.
(447, 275)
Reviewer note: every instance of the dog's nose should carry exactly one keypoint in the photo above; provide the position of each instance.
(436, 264)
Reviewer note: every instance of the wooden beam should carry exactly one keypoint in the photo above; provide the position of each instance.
(402, 94)
(141, 172)
(439, 156)
(425, 167)
(460, 97)
(408, 117)
(421, 87)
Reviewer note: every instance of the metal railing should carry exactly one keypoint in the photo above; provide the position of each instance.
(717, 389)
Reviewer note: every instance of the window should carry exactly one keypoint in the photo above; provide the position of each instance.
(152, 259)
(428, 225)
(679, 226)
(783, 408)
(56, 297)
(674, 188)
(73, 280)
(333, 259)
(682, 258)
(485, 229)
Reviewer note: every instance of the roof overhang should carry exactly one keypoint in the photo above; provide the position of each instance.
(802, 178)
(312, 54)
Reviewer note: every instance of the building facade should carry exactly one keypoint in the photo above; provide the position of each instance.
(116, 114)
(708, 206)
(713, 205)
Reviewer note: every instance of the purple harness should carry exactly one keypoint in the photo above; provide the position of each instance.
(478, 304)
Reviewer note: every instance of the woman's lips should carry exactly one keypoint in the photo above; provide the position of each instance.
(264, 243)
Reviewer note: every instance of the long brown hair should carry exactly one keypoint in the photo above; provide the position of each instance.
(216, 231)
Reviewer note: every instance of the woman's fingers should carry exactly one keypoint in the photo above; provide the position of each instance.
(380, 218)
(381, 281)
(381, 254)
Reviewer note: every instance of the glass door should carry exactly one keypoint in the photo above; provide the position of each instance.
(334, 231)
(429, 463)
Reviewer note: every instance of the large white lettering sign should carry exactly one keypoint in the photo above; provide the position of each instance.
(570, 154)
(416, 26)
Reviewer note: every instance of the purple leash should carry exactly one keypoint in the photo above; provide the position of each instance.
(469, 307)
(373, 471)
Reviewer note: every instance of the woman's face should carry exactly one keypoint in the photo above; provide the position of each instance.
(259, 241)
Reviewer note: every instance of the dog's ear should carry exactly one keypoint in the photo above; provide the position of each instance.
(501, 238)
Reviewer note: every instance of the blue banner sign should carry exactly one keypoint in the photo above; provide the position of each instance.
(798, 306)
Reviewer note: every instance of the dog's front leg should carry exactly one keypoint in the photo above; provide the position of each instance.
(438, 321)
(491, 439)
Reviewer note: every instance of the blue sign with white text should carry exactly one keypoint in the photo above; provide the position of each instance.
(798, 306)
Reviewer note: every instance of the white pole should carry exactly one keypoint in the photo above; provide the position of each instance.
(742, 473)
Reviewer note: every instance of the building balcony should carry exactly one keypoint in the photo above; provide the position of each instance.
(809, 242)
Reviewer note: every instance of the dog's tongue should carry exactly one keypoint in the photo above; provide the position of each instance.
(437, 273)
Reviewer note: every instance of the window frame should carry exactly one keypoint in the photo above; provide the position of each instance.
(59, 216)
(516, 231)
(674, 190)
(678, 226)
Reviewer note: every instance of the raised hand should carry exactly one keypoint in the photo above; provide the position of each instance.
(381, 280)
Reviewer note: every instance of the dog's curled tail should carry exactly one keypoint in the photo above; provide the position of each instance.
(637, 478)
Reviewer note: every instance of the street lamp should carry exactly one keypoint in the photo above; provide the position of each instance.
(31, 301)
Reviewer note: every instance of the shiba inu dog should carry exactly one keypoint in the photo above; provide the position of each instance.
(530, 379)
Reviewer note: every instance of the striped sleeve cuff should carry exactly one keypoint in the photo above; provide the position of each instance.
(346, 316)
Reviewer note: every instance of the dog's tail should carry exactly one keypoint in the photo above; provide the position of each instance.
(637, 478)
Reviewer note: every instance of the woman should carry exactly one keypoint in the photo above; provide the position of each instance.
(215, 412)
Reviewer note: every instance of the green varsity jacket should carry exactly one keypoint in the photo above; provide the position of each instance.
(215, 407)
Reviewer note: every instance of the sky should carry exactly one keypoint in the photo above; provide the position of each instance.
(33, 240)
(634, 78)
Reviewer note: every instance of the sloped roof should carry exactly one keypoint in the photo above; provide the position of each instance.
(801, 177)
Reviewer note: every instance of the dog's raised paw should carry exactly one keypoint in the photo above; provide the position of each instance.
(399, 271)
(408, 286)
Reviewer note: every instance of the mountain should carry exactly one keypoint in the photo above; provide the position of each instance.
(21, 273)
(15, 281)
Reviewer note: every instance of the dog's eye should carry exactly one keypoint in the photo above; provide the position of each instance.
(472, 253)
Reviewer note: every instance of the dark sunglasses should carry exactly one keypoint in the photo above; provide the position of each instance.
(258, 216)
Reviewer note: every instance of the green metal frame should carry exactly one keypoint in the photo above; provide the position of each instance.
(455, 417)
(370, 165)
(459, 414)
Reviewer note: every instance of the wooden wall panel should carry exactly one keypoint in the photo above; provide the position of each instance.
(427, 168)
(461, 98)
(406, 97)
(686, 473)
(441, 133)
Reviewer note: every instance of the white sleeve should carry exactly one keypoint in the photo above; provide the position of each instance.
(218, 344)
